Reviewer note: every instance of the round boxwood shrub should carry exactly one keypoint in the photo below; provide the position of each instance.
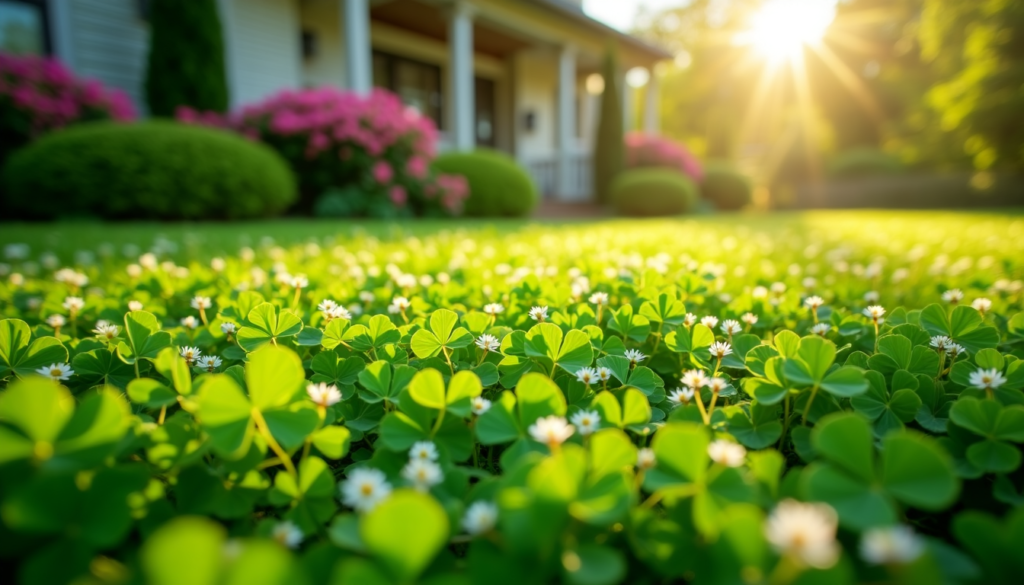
(864, 162)
(725, 186)
(153, 170)
(498, 186)
(653, 191)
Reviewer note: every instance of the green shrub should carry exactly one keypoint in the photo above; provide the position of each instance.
(186, 57)
(498, 186)
(653, 191)
(864, 162)
(153, 170)
(725, 186)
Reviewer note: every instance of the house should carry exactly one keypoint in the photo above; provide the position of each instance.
(507, 74)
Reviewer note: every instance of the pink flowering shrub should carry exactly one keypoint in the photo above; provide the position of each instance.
(646, 150)
(355, 155)
(40, 95)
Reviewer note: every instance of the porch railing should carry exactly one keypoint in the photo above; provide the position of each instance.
(579, 182)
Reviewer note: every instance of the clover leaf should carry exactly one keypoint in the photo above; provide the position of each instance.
(997, 425)
(442, 335)
(22, 355)
(267, 324)
(570, 352)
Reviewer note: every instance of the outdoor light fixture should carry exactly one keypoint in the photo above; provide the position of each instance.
(638, 77)
(595, 84)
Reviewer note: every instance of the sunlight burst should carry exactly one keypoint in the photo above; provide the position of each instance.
(782, 28)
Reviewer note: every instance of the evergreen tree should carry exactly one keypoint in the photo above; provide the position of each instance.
(609, 152)
(186, 57)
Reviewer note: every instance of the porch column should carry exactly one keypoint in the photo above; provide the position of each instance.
(652, 111)
(461, 84)
(566, 118)
(358, 60)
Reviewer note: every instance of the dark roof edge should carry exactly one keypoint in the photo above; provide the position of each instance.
(575, 13)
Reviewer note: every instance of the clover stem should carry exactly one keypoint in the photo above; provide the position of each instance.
(483, 356)
(136, 369)
(785, 421)
(785, 572)
(942, 364)
(700, 406)
(876, 335)
(711, 407)
(261, 426)
(437, 424)
(600, 312)
(718, 366)
(273, 341)
(448, 359)
(657, 338)
(202, 316)
(295, 299)
(814, 315)
(810, 401)
(163, 414)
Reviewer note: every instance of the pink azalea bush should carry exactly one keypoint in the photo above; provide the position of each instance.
(40, 95)
(370, 151)
(647, 150)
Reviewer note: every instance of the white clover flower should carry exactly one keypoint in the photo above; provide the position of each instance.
(634, 356)
(983, 379)
(488, 343)
(821, 329)
(201, 303)
(423, 474)
(749, 318)
(539, 314)
(480, 405)
(981, 305)
(191, 354)
(367, 296)
(425, 450)
(953, 296)
(287, 534)
(807, 532)
(73, 304)
(689, 320)
(599, 298)
(645, 458)
(720, 349)
(586, 375)
(813, 302)
(731, 327)
(227, 328)
(209, 362)
(955, 349)
(218, 264)
(940, 342)
(401, 303)
(326, 306)
(55, 321)
(299, 281)
(364, 489)
(872, 296)
(875, 312)
(694, 379)
(481, 517)
(603, 374)
(190, 322)
(494, 309)
(716, 385)
(337, 313)
(759, 292)
(778, 287)
(709, 321)
(323, 395)
(134, 306)
(681, 396)
(57, 372)
(16, 279)
(105, 330)
(727, 453)
(551, 430)
(133, 270)
(586, 421)
(892, 545)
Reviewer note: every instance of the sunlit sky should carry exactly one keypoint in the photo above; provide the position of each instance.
(620, 13)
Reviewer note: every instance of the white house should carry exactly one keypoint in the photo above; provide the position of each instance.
(506, 74)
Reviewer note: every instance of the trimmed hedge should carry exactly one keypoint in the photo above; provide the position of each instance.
(864, 162)
(154, 170)
(498, 186)
(725, 186)
(653, 191)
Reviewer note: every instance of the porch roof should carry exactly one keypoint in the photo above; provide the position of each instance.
(575, 13)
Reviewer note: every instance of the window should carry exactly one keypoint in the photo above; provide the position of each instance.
(23, 29)
(417, 84)
(485, 114)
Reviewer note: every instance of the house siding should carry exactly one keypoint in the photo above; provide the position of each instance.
(262, 39)
(108, 42)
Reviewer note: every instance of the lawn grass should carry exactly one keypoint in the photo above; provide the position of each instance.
(198, 240)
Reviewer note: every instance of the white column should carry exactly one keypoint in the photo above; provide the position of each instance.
(462, 112)
(566, 120)
(60, 25)
(358, 60)
(652, 105)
